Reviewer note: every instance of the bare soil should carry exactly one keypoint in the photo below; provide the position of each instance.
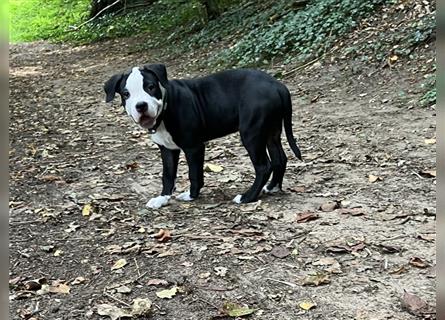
(366, 164)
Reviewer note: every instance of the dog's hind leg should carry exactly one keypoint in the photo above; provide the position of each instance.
(278, 160)
(256, 147)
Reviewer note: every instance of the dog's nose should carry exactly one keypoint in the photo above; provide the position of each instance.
(141, 107)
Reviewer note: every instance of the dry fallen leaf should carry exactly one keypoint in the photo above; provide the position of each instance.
(234, 310)
(113, 248)
(280, 252)
(297, 189)
(208, 167)
(329, 206)
(50, 178)
(119, 264)
(221, 271)
(86, 211)
(339, 249)
(48, 248)
(78, 280)
(72, 227)
(163, 235)
(141, 307)
(428, 173)
(372, 178)
(316, 279)
(329, 264)
(426, 237)
(132, 166)
(393, 58)
(352, 211)
(58, 287)
(204, 275)
(388, 248)
(123, 289)
(252, 206)
(157, 282)
(113, 312)
(399, 270)
(168, 253)
(306, 216)
(417, 262)
(307, 305)
(167, 293)
(430, 141)
(413, 304)
(141, 230)
(358, 247)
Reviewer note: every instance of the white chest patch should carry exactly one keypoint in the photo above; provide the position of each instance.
(163, 137)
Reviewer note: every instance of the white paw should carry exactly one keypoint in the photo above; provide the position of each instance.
(185, 196)
(274, 190)
(237, 199)
(157, 202)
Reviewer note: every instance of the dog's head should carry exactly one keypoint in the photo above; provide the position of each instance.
(142, 91)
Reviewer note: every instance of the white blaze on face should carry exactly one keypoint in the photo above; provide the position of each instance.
(135, 86)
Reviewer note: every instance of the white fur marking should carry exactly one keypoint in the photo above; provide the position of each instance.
(185, 196)
(163, 137)
(156, 203)
(135, 86)
(274, 190)
(237, 199)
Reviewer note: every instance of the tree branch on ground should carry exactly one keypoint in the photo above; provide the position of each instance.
(74, 28)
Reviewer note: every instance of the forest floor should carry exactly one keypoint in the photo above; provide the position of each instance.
(351, 233)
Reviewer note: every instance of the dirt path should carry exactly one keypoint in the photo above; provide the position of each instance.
(68, 149)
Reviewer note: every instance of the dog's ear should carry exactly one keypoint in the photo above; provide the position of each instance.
(159, 71)
(112, 86)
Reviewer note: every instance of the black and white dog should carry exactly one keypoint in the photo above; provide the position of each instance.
(184, 114)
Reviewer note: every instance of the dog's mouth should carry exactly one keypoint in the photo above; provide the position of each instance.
(147, 122)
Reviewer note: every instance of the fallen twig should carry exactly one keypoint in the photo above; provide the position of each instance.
(73, 28)
(137, 267)
(293, 285)
(116, 299)
(285, 74)
(215, 289)
(140, 276)
(197, 237)
(19, 223)
(416, 174)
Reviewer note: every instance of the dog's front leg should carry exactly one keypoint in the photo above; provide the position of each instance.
(195, 161)
(170, 160)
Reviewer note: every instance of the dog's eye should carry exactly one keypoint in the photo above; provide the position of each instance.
(151, 86)
(126, 95)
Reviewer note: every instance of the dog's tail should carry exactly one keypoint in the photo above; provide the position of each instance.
(287, 122)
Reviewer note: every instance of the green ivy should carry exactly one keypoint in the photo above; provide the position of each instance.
(306, 32)
(429, 88)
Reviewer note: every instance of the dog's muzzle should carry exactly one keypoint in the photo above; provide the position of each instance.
(147, 122)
